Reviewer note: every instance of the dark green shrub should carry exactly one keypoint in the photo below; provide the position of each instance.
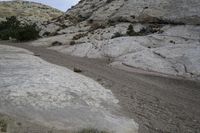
(77, 70)
(78, 36)
(91, 131)
(117, 34)
(111, 22)
(144, 31)
(5, 34)
(27, 32)
(96, 26)
(131, 32)
(10, 23)
(56, 43)
(72, 43)
(3, 126)
(109, 1)
(14, 29)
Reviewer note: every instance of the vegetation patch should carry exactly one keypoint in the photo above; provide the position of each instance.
(144, 31)
(117, 34)
(96, 26)
(131, 32)
(78, 36)
(77, 70)
(72, 43)
(56, 43)
(168, 21)
(3, 126)
(91, 131)
(12, 28)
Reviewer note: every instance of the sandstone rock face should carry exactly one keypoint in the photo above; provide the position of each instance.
(29, 11)
(166, 34)
(163, 11)
(55, 96)
(175, 51)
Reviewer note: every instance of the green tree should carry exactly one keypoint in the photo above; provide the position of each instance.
(130, 30)
(22, 32)
(27, 32)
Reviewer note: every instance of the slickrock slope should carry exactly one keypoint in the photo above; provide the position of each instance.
(165, 38)
(29, 11)
(55, 96)
(177, 11)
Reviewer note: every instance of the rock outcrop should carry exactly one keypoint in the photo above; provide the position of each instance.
(28, 11)
(161, 11)
(165, 38)
(56, 97)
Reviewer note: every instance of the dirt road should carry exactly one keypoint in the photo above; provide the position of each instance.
(158, 104)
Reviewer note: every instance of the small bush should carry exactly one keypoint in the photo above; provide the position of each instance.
(144, 31)
(91, 131)
(90, 21)
(78, 36)
(109, 1)
(96, 26)
(27, 32)
(14, 29)
(122, 19)
(131, 32)
(173, 42)
(5, 34)
(117, 34)
(56, 43)
(168, 21)
(72, 43)
(3, 126)
(81, 18)
(77, 70)
(111, 22)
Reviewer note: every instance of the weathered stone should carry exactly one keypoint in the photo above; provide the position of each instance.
(55, 96)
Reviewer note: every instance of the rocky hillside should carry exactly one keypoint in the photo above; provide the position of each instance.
(153, 11)
(27, 10)
(56, 96)
(110, 12)
(155, 35)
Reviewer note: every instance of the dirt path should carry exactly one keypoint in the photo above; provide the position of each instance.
(159, 104)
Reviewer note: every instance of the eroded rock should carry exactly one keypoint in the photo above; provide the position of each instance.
(55, 96)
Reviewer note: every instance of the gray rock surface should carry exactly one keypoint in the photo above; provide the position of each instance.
(54, 96)
(166, 40)
(175, 51)
(174, 11)
(28, 11)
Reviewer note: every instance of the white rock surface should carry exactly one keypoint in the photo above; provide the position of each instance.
(64, 39)
(55, 96)
(184, 11)
(174, 52)
(120, 46)
(185, 58)
(48, 29)
(173, 49)
(146, 60)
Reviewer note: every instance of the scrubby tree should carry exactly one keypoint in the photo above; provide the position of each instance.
(14, 29)
(27, 32)
(130, 30)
